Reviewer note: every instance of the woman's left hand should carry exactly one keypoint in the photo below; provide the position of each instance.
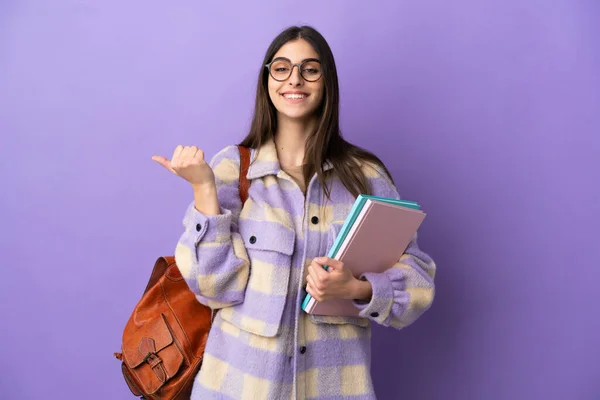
(335, 283)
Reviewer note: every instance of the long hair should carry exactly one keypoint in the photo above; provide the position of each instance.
(326, 142)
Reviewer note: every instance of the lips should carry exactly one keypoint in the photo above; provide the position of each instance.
(295, 95)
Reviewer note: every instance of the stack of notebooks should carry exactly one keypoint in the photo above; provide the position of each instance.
(373, 238)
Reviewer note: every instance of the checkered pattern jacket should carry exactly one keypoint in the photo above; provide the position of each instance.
(250, 264)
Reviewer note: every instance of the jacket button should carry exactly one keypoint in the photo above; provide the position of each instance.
(375, 314)
(302, 349)
(198, 227)
(252, 239)
(314, 220)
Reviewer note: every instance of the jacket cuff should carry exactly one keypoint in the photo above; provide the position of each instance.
(379, 307)
(206, 228)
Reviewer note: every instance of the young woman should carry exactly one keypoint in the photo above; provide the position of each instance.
(254, 264)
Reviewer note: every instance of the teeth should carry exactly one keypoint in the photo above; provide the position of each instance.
(294, 96)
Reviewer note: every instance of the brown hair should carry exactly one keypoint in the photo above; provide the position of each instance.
(326, 143)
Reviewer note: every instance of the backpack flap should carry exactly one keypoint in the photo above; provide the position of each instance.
(152, 355)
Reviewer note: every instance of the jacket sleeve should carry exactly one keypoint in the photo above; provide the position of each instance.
(404, 292)
(210, 253)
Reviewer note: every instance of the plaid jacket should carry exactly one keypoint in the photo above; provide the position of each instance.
(250, 265)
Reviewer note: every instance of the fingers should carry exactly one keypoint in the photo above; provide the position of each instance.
(188, 154)
(318, 276)
(182, 160)
(310, 289)
(198, 156)
(330, 262)
(175, 159)
(310, 282)
(164, 162)
(184, 156)
(188, 163)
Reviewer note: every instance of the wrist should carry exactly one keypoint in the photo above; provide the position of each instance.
(205, 199)
(204, 188)
(361, 290)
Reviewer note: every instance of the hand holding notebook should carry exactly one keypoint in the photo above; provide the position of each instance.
(373, 238)
(329, 279)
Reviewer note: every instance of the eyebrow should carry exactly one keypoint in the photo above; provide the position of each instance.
(306, 59)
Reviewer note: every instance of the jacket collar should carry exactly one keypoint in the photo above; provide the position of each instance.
(265, 161)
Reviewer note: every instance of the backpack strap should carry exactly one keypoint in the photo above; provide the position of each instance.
(244, 183)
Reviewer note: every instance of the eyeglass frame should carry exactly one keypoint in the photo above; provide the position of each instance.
(299, 65)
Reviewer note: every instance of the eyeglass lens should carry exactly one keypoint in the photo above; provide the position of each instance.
(282, 70)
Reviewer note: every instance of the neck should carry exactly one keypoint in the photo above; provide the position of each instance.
(290, 139)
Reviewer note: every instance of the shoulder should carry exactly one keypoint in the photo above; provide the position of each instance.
(230, 153)
(381, 184)
(370, 168)
(226, 163)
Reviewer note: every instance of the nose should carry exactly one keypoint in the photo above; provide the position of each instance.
(295, 78)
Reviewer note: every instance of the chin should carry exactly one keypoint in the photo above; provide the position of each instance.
(296, 113)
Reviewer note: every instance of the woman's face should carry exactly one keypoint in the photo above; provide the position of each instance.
(296, 97)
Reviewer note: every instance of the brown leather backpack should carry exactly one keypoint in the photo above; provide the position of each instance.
(164, 339)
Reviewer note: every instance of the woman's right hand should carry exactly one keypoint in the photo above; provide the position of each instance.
(188, 162)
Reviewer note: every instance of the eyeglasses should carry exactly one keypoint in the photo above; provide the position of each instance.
(281, 69)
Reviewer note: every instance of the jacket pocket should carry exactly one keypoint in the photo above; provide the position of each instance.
(270, 246)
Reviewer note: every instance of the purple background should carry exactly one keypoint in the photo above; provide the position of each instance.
(488, 113)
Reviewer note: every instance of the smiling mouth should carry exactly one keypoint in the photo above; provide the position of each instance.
(294, 96)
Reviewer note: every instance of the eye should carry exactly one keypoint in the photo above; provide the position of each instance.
(311, 68)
